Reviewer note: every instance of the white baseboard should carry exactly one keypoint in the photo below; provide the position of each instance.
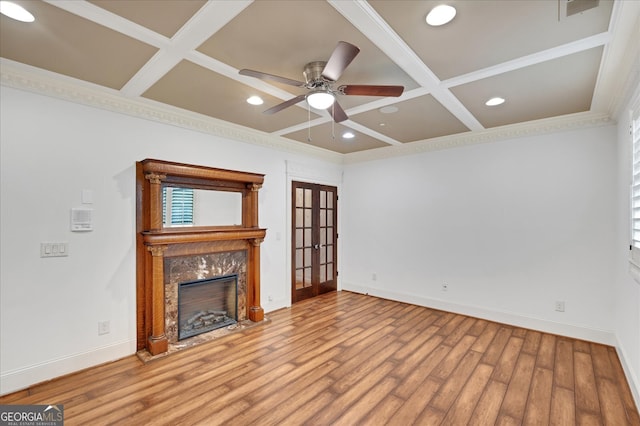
(578, 332)
(275, 305)
(12, 381)
(632, 376)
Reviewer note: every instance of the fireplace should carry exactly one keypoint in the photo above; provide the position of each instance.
(169, 256)
(205, 305)
(202, 267)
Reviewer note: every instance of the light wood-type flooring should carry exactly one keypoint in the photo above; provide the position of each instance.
(349, 359)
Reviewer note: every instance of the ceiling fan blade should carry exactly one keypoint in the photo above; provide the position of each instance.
(337, 112)
(341, 57)
(368, 90)
(266, 76)
(285, 104)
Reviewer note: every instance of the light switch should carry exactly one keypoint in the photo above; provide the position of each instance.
(60, 249)
(87, 196)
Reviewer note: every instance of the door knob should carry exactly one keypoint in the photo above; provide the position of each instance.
(316, 246)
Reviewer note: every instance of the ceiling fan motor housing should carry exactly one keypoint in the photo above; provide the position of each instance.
(313, 74)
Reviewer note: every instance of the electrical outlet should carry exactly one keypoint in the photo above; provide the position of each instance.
(374, 276)
(445, 287)
(103, 327)
(560, 305)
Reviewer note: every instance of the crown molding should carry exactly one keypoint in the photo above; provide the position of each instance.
(25, 77)
(620, 59)
(35, 80)
(512, 131)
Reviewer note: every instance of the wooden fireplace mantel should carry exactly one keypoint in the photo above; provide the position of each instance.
(198, 235)
(154, 242)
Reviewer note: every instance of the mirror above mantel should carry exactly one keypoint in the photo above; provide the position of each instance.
(187, 206)
(219, 197)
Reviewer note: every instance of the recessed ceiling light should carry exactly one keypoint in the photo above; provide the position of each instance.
(494, 101)
(389, 109)
(255, 100)
(348, 135)
(441, 15)
(16, 12)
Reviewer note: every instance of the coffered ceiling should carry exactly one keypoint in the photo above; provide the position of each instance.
(187, 54)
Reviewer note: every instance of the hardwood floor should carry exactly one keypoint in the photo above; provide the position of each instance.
(346, 359)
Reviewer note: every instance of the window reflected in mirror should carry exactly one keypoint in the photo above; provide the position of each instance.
(200, 207)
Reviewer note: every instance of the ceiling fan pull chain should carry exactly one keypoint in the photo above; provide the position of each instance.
(333, 122)
(308, 123)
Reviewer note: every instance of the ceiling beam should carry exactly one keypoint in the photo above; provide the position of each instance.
(368, 22)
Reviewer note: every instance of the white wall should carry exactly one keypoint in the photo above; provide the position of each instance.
(510, 227)
(50, 151)
(627, 290)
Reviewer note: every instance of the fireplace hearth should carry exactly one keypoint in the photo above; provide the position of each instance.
(205, 305)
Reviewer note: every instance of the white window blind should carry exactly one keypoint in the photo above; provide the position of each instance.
(177, 206)
(635, 187)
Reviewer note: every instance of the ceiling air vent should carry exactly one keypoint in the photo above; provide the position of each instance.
(579, 6)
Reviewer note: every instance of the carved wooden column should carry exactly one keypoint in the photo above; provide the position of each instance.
(157, 342)
(256, 313)
(253, 204)
(155, 199)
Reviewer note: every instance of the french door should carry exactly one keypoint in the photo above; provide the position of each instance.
(315, 214)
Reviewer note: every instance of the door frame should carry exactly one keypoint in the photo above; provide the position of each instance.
(315, 246)
(326, 175)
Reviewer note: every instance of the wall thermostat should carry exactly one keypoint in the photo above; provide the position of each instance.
(81, 219)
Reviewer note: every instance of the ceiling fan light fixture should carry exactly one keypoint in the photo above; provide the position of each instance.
(320, 99)
(440, 15)
(15, 11)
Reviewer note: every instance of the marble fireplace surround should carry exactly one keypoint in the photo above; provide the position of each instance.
(167, 256)
(184, 269)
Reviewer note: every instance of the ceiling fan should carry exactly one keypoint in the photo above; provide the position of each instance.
(319, 78)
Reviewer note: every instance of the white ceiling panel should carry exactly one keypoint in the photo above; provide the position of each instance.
(187, 54)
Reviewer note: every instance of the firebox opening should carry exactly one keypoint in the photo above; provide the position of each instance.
(206, 305)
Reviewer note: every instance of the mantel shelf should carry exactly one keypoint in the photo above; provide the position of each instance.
(201, 234)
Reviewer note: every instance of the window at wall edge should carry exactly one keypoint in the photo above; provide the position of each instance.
(634, 190)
